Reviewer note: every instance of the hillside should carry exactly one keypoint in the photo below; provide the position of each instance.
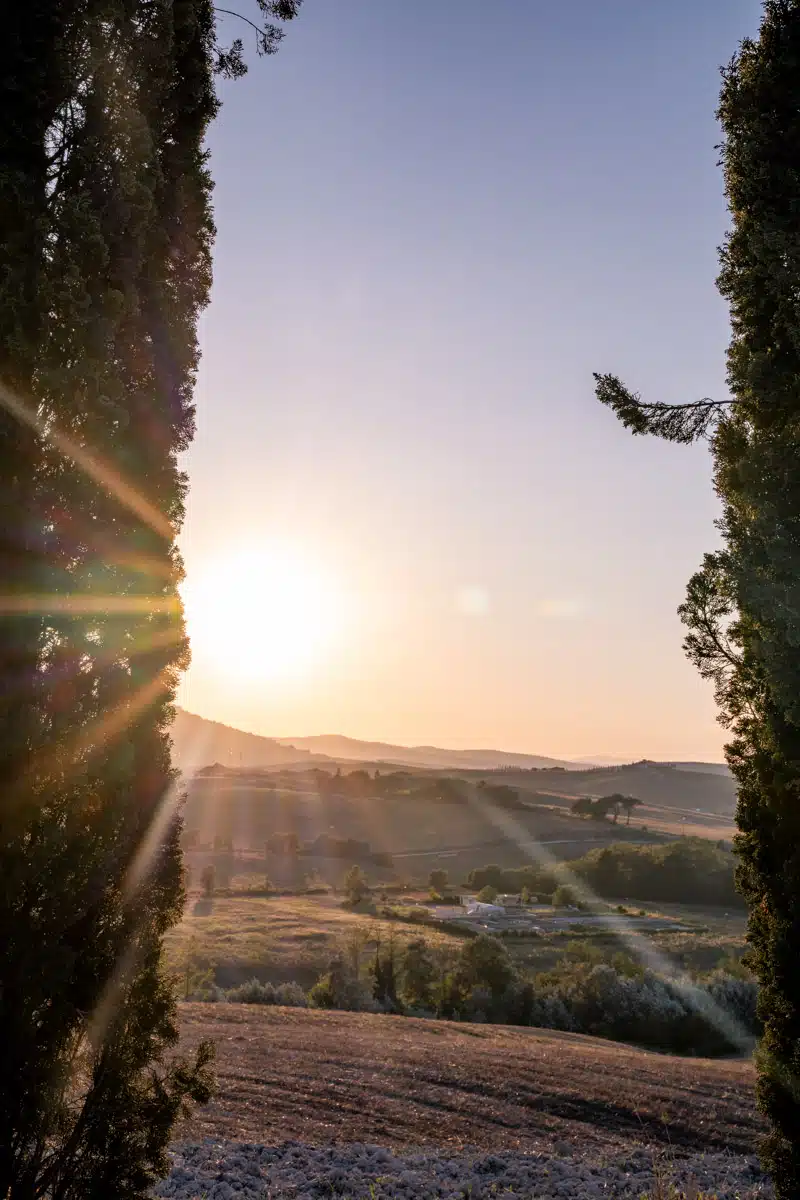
(198, 742)
(313, 1075)
(659, 784)
(425, 757)
(415, 828)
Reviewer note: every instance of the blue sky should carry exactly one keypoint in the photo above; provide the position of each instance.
(434, 222)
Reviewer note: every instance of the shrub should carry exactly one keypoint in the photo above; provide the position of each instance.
(252, 992)
(355, 885)
(487, 894)
(341, 988)
(437, 880)
(417, 973)
(291, 995)
(255, 992)
(564, 897)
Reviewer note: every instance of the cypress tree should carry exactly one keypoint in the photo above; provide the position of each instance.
(105, 263)
(742, 608)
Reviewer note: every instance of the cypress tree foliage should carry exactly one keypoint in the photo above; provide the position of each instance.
(105, 263)
(742, 608)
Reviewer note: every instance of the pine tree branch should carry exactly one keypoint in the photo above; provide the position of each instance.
(676, 422)
(229, 12)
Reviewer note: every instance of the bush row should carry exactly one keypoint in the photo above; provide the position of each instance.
(621, 1001)
(688, 871)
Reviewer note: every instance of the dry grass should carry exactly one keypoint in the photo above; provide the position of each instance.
(294, 937)
(278, 938)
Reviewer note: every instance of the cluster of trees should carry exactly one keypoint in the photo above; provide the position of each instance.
(687, 871)
(326, 845)
(603, 807)
(480, 982)
(360, 784)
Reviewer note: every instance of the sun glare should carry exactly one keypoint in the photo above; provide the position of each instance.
(263, 614)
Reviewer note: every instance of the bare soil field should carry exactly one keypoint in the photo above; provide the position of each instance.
(321, 1077)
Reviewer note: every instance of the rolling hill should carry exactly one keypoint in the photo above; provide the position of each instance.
(664, 785)
(198, 742)
(432, 758)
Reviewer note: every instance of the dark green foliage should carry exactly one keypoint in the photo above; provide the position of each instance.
(676, 422)
(419, 973)
(742, 607)
(688, 871)
(384, 974)
(484, 962)
(584, 993)
(583, 806)
(208, 879)
(105, 243)
(605, 806)
(502, 796)
(437, 880)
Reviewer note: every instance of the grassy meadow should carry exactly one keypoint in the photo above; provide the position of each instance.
(281, 938)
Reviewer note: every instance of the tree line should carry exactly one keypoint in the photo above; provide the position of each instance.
(688, 871)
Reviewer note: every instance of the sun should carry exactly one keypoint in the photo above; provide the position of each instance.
(263, 614)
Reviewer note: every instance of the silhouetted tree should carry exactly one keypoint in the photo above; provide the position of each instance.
(208, 879)
(105, 240)
(384, 973)
(355, 885)
(629, 803)
(437, 880)
(583, 806)
(418, 973)
(610, 805)
(741, 609)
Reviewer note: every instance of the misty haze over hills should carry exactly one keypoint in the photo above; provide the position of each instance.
(199, 742)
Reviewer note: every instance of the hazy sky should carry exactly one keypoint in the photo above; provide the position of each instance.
(435, 221)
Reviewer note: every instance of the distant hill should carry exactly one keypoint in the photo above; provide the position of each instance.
(704, 768)
(334, 745)
(198, 742)
(667, 785)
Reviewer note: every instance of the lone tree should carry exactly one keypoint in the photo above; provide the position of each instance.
(437, 880)
(418, 970)
(629, 803)
(355, 885)
(105, 264)
(208, 880)
(742, 609)
(583, 806)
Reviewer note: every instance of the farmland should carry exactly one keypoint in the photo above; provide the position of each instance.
(413, 828)
(321, 1076)
(282, 938)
